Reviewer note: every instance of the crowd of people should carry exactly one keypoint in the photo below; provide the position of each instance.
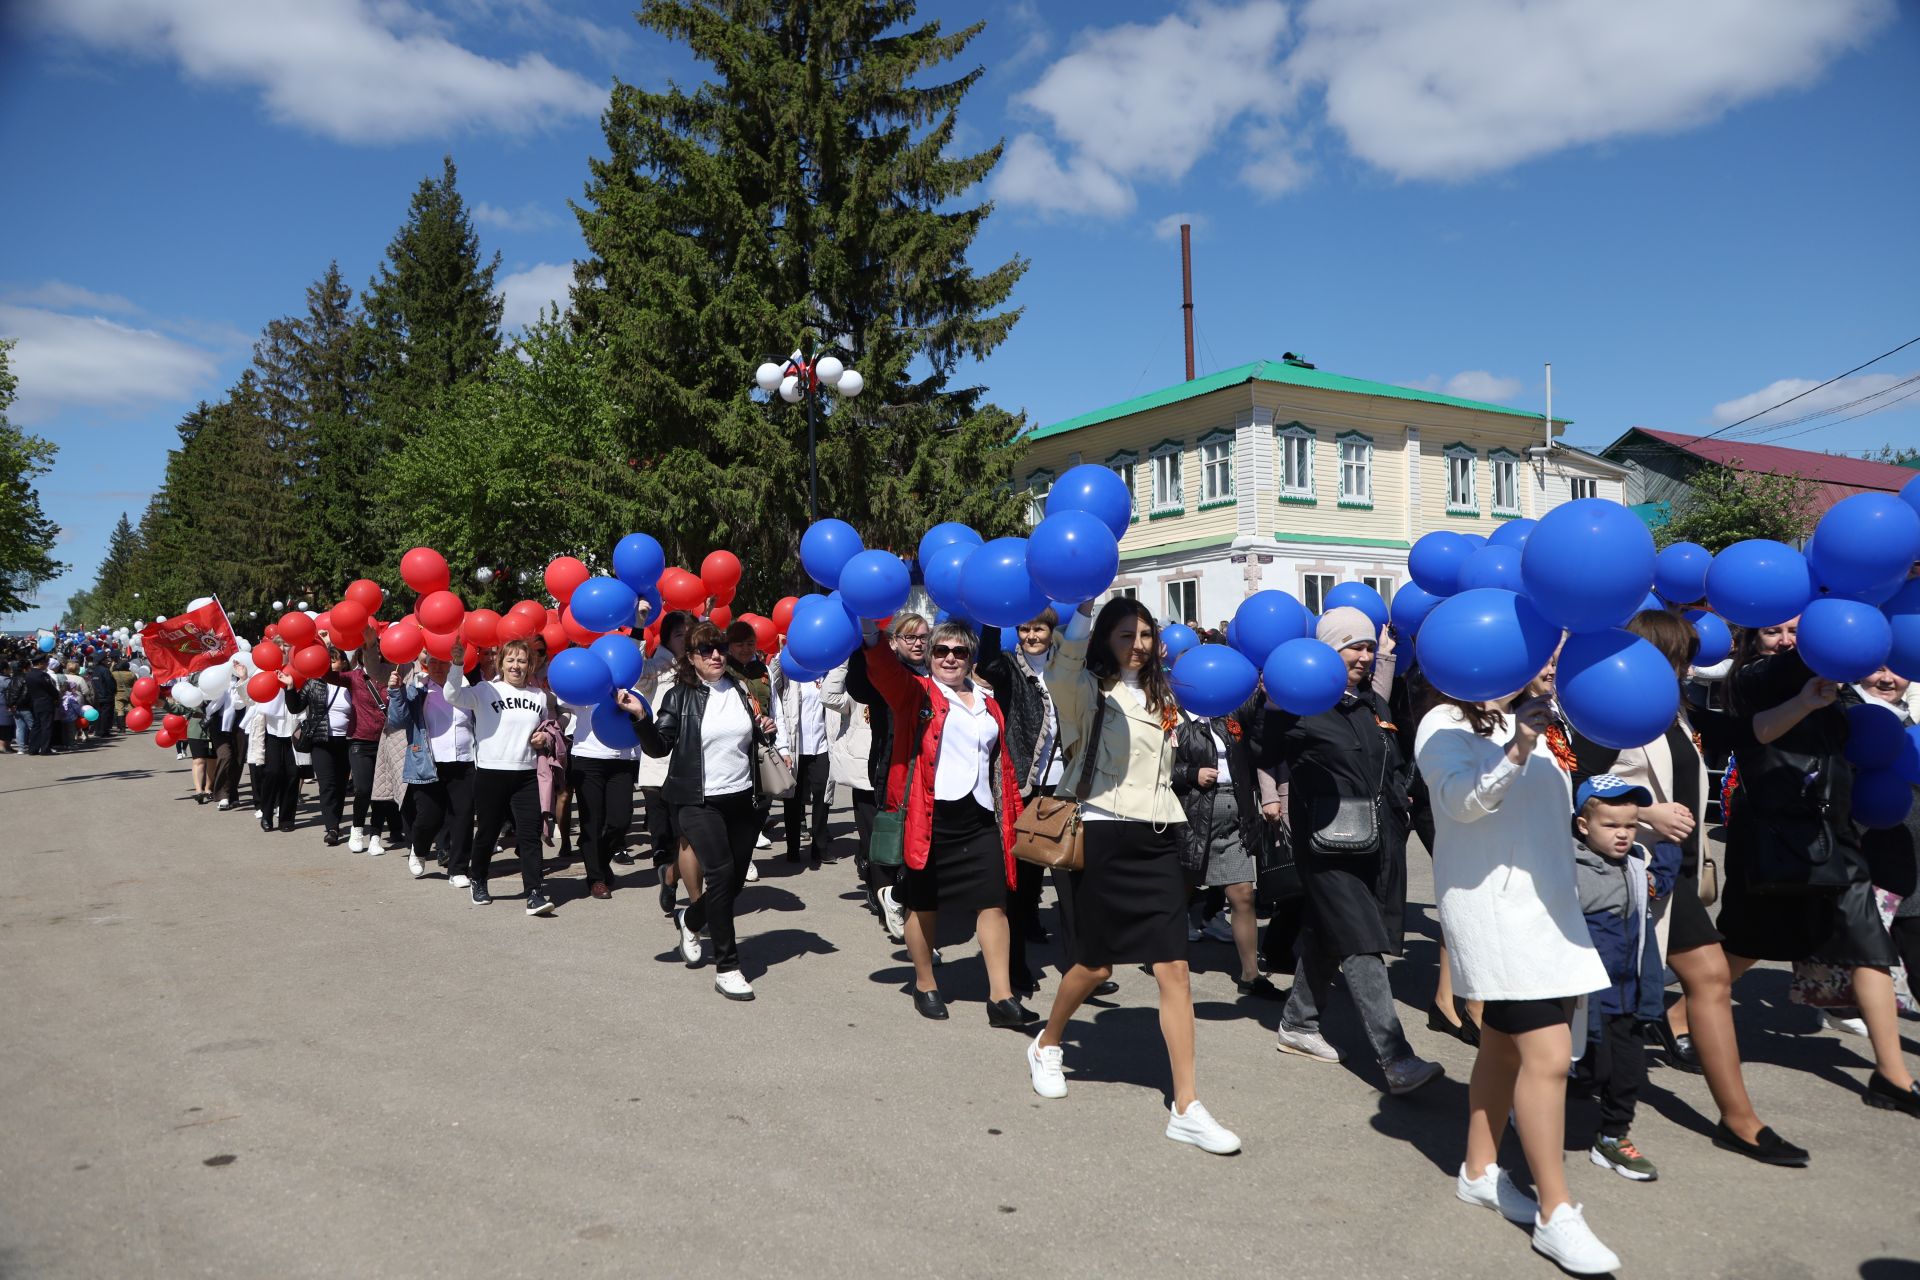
(1573, 881)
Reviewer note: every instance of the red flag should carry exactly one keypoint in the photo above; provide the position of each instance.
(190, 643)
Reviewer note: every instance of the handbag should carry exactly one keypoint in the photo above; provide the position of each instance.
(1793, 847)
(1708, 882)
(1048, 832)
(772, 775)
(887, 841)
(1277, 874)
(1354, 829)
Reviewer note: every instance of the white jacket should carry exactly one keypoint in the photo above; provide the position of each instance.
(1503, 870)
(655, 675)
(849, 730)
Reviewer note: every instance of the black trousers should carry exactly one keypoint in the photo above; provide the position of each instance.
(1619, 1070)
(362, 757)
(445, 806)
(496, 794)
(226, 765)
(40, 732)
(1023, 913)
(278, 781)
(722, 832)
(809, 788)
(332, 772)
(603, 793)
(239, 764)
(660, 834)
(863, 811)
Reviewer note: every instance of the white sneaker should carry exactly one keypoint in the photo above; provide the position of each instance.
(733, 985)
(1496, 1190)
(1200, 1128)
(1848, 1026)
(259, 815)
(893, 915)
(762, 842)
(1307, 1044)
(460, 882)
(1043, 1065)
(689, 940)
(753, 871)
(224, 805)
(1219, 929)
(374, 847)
(1567, 1240)
(357, 840)
(414, 865)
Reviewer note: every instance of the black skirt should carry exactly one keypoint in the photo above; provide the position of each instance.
(966, 864)
(1130, 903)
(1688, 924)
(1842, 929)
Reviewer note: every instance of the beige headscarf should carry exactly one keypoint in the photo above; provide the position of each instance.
(1344, 626)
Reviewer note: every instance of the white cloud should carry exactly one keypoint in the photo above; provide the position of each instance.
(1029, 174)
(1168, 228)
(1472, 384)
(528, 217)
(1034, 38)
(61, 296)
(351, 70)
(88, 361)
(1843, 392)
(528, 293)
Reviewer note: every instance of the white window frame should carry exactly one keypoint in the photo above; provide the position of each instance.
(1166, 461)
(1183, 600)
(1384, 585)
(1509, 461)
(1216, 470)
(1128, 593)
(1295, 484)
(1576, 483)
(1360, 496)
(1314, 588)
(1126, 466)
(1039, 485)
(1470, 504)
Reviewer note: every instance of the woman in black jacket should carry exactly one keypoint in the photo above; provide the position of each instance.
(1018, 678)
(707, 725)
(1213, 774)
(1349, 777)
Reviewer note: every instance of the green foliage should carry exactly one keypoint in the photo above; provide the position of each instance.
(26, 534)
(110, 599)
(1726, 506)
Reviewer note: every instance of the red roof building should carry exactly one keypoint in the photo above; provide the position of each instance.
(1660, 463)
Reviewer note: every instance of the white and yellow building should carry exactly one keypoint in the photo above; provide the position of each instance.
(1278, 474)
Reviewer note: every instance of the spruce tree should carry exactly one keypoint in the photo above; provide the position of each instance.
(801, 196)
(111, 594)
(26, 534)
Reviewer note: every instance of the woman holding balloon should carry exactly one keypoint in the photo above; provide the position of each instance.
(1018, 677)
(507, 714)
(329, 716)
(270, 725)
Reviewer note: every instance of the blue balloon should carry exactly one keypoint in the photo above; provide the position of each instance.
(791, 669)
(1411, 605)
(1099, 492)
(1266, 620)
(996, 588)
(826, 547)
(580, 677)
(1212, 680)
(603, 604)
(1844, 640)
(1903, 613)
(638, 561)
(1875, 736)
(1475, 540)
(1616, 688)
(1072, 555)
(1910, 493)
(941, 572)
(1436, 559)
(946, 535)
(1864, 541)
(613, 726)
(821, 635)
(1759, 583)
(1485, 644)
(1881, 798)
(1513, 534)
(623, 658)
(46, 644)
(656, 607)
(1908, 761)
(875, 584)
(1305, 677)
(1009, 639)
(1492, 566)
(1588, 565)
(1358, 595)
(1177, 638)
(1716, 642)
(1652, 604)
(1680, 572)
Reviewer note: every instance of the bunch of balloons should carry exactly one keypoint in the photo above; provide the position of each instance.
(1886, 759)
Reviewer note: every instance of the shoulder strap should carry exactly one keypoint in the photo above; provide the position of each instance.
(1092, 749)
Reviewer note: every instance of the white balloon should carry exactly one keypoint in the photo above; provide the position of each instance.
(790, 389)
(851, 384)
(187, 694)
(302, 607)
(483, 575)
(768, 376)
(139, 626)
(828, 369)
(214, 680)
(161, 618)
(197, 601)
(279, 604)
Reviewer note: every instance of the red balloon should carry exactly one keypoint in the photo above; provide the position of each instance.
(273, 631)
(764, 632)
(297, 629)
(575, 632)
(346, 621)
(366, 593)
(312, 661)
(323, 621)
(145, 691)
(783, 614)
(263, 686)
(440, 644)
(424, 570)
(564, 573)
(139, 719)
(517, 626)
(681, 590)
(175, 725)
(440, 611)
(532, 611)
(720, 616)
(556, 637)
(482, 628)
(401, 642)
(163, 739)
(720, 571)
(269, 656)
(724, 597)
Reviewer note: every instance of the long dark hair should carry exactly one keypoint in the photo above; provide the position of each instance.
(1423, 697)
(1153, 676)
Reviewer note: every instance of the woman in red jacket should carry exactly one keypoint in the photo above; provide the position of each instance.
(961, 799)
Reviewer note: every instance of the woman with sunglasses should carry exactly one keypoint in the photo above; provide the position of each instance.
(907, 635)
(707, 726)
(1130, 901)
(956, 782)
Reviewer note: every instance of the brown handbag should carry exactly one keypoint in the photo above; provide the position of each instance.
(1047, 833)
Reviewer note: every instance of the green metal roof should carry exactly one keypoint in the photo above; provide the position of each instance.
(1269, 371)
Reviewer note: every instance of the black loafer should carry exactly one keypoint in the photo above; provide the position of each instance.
(1768, 1147)
(1107, 988)
(668, 894)
(1883, 1093)
(1009, 1013)
(930, 1005)
(1464, 1031)
(1260, 988)
(1677, 1049)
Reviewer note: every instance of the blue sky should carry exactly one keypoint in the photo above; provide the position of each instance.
(1692, 210)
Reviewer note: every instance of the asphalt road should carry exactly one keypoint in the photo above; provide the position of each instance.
(225, 1053)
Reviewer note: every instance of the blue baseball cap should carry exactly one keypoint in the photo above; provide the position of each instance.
(1607, 786)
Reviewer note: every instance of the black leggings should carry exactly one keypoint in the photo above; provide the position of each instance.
(496, 793)
(604, 795)
(722, 832)
(278, 781)
(375, 815)
(809, 791)
(332, 772)
(445, 804)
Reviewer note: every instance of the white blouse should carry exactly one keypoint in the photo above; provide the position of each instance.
(967, 740)
(726, 739)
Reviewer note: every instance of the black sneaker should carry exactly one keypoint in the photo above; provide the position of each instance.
(480, 897)
(537, 904)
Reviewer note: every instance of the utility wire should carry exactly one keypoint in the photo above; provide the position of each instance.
(1850, 417)
(1810, 390)
(1755, 433)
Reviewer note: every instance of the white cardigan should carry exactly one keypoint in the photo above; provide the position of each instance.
(1503, 866)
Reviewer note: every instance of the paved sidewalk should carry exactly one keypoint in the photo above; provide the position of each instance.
(243, 1055)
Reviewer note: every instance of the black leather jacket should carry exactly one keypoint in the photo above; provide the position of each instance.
(673, 730)
(1023, 701)
(1194, 750)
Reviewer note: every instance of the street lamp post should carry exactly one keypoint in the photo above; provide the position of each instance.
(801, 379)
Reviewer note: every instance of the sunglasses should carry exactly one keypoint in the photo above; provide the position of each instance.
(709, 650)
(952, 650)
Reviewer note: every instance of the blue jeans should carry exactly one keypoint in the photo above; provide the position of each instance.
(31, 735)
